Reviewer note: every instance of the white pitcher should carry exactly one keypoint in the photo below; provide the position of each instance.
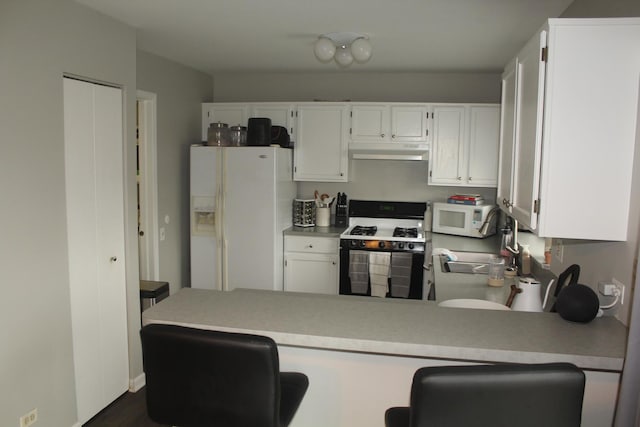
(529, 298)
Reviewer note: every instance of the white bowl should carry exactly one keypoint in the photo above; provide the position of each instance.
(473, 303)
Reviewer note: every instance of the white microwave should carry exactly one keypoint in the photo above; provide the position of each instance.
(462, 220)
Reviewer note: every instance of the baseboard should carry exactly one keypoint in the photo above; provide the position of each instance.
(137, 383)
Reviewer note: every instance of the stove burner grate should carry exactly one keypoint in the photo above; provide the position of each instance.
(405, 232)
(360, 230)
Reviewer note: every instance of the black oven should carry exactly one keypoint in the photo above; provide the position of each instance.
(417, 262)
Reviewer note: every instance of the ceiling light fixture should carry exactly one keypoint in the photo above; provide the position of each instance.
(344, 48)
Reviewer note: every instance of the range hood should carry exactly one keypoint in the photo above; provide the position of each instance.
(388, 151)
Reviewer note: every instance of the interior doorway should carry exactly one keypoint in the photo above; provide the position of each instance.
(147, 180)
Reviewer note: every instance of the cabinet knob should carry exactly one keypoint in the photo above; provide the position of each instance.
(310, 246)
(113, 259)
(469, 178)
(333, 262)
(393, 136)
(459, 178)
(382, 135)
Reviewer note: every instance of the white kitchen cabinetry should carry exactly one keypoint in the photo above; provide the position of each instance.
(464, 149)
(281, 114)
(507, 136)
(382, 122)
(311, 264)
(565, 153)
(321, 142)
(231, 113)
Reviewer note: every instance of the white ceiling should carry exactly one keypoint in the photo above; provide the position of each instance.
(278, 35)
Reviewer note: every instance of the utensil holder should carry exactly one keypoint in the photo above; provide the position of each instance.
(323, 217)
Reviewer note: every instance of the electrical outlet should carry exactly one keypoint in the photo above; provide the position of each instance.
(620, 287)
(606, 288)
(29, 418)
(558, 249)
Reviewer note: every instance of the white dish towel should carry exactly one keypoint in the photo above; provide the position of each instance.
(379, 273)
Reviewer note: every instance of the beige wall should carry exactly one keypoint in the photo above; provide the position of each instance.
(353, 86)
(40, 41)
(180, 91)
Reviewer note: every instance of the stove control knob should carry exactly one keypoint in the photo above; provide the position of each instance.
(401, 245)
(381, 244)
(361, 243)
(411, 245)
(353, 243)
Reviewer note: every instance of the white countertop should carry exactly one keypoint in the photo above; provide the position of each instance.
(398, 327)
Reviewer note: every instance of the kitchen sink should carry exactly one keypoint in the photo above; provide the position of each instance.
(466, 262)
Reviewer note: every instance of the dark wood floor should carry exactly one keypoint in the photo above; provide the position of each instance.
(128, 411)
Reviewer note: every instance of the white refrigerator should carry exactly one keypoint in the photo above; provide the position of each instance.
(241, 202)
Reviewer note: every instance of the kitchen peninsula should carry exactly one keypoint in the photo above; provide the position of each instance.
(360, 352)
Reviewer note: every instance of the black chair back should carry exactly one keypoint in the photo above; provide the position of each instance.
(200, 377)
(549, 395)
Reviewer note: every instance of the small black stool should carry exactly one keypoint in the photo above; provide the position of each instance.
(153, 292)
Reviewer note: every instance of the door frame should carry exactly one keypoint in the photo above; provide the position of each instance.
(149, 252)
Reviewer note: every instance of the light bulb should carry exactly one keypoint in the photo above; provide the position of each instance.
(324, 49)
(361, 50)
(343, 56)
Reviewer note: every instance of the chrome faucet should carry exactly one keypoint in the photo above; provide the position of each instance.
(484, 229)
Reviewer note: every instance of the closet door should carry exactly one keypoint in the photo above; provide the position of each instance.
(95, 231)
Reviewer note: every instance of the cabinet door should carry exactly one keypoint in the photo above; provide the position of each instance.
(484, 127)
(231, 114)
(280, 114)
(370, 123)
(528, 143)
(447, 149)
(507, 137)
(409, 123)
(315, 273)
(321, 144)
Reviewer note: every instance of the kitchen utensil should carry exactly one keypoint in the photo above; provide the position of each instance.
(578, 303)
(259, 131)
(528, 298)
(218, 135)
(238, 135)
(568, 277)
(496, 271)
(323, 216)
(304, 212)
(575, 302)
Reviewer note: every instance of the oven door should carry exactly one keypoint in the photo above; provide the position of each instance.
(416, 283)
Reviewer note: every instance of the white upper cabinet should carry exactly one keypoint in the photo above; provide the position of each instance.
(409, 123)
(281, 114)
(232, 114)
(484, 139)
(322, 133)
(464, 148)
(446, 158)
(507, 137)
(566, 153)
(383, 122)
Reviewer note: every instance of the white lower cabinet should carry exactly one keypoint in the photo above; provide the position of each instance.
(311, 264)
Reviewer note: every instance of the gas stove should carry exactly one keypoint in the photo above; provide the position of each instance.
(384, 249)
(385, 226)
